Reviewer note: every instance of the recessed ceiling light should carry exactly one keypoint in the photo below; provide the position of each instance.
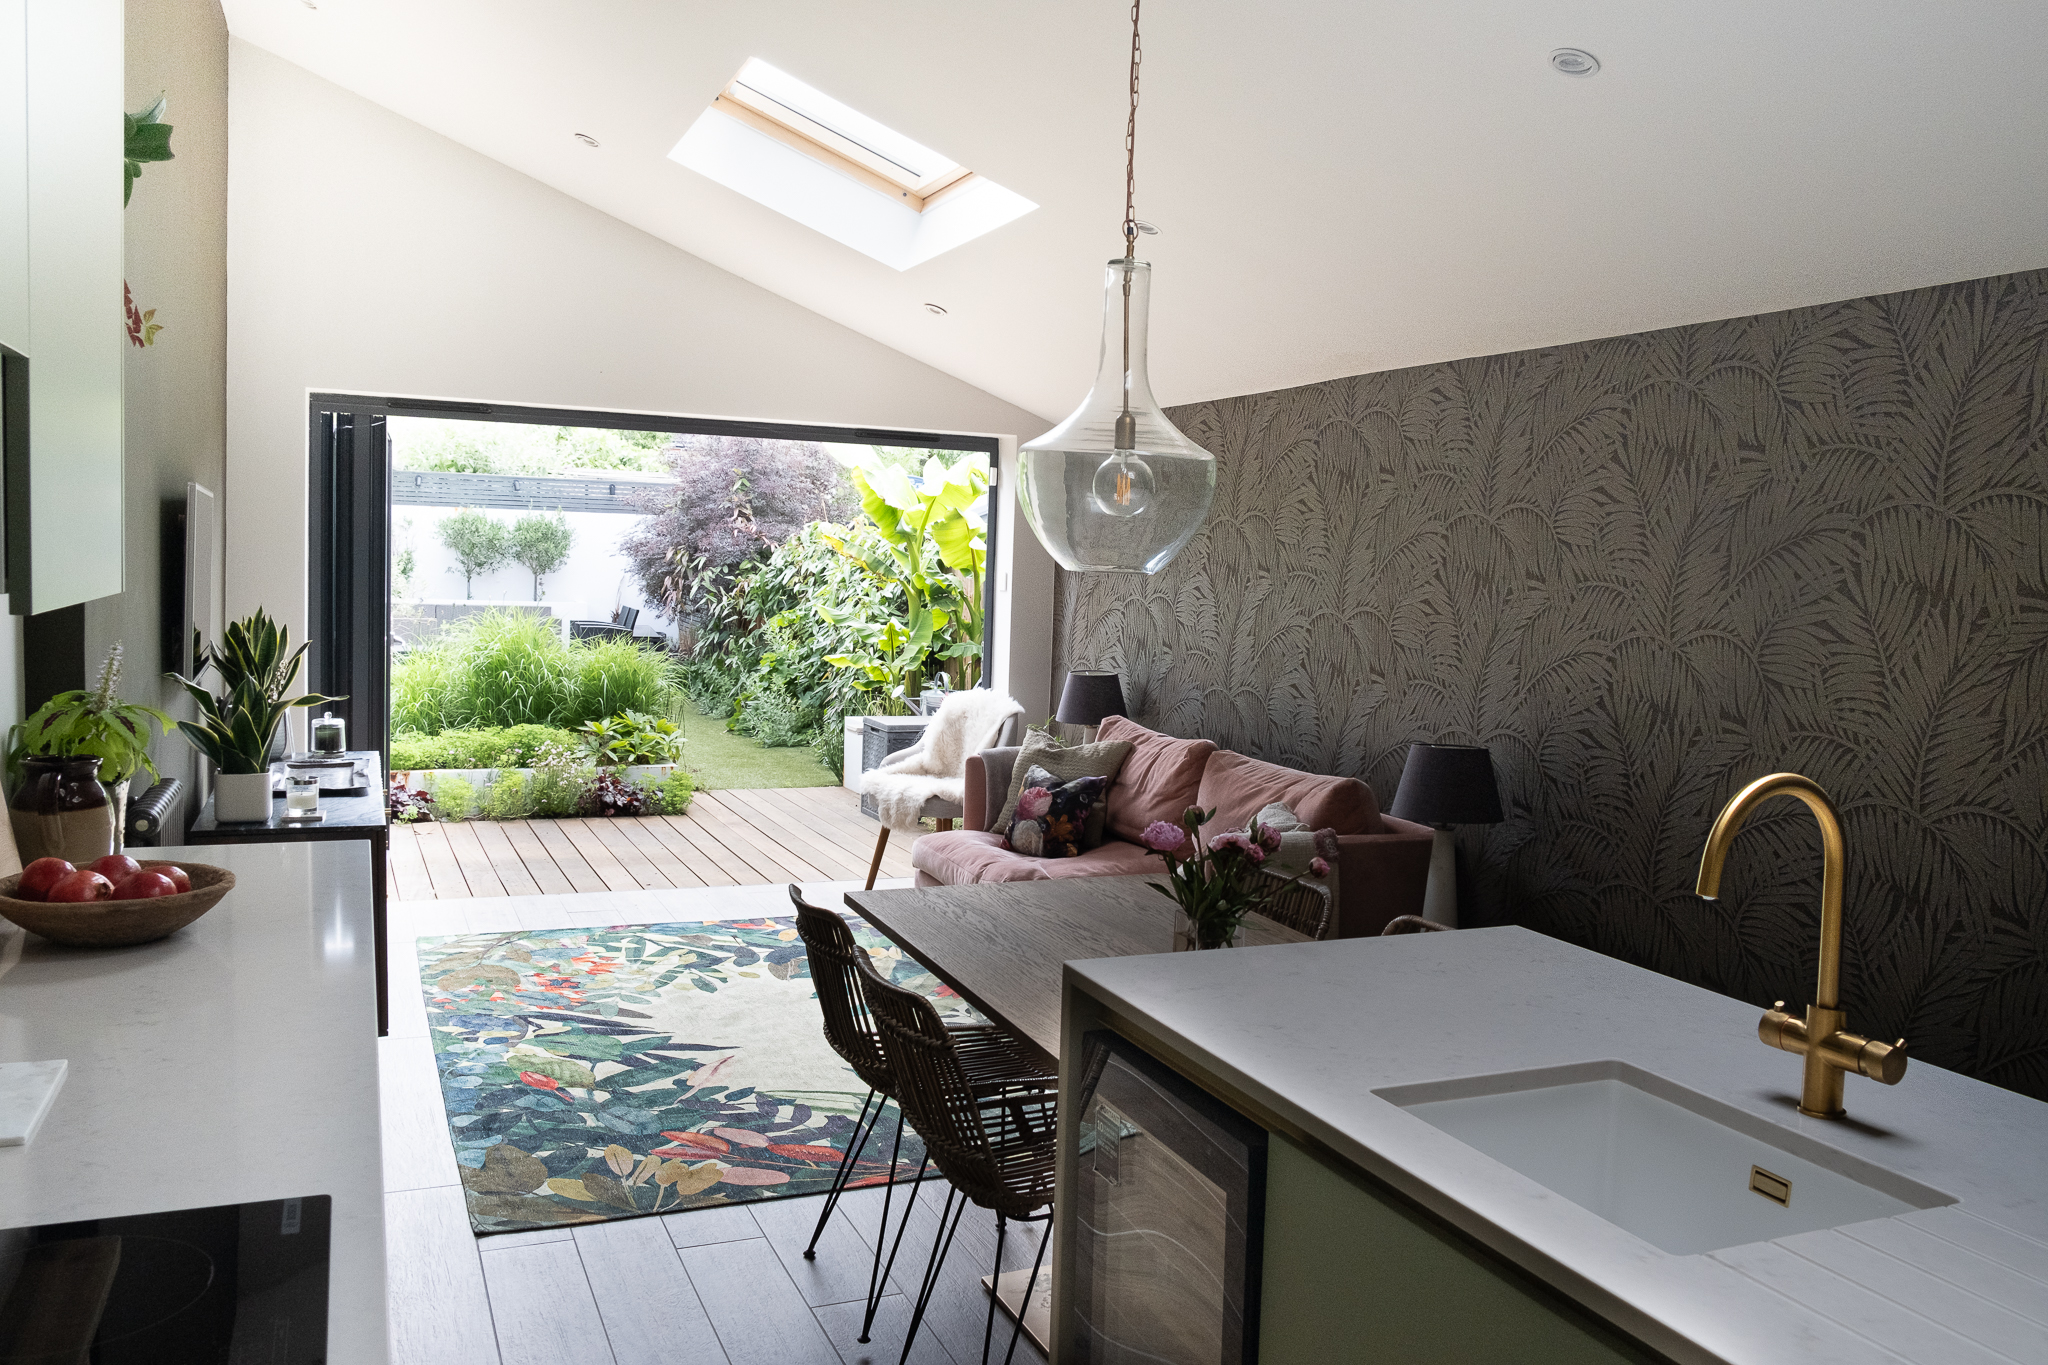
(1574, 61)
(1146, 228)
(585, 138)
(935, 308)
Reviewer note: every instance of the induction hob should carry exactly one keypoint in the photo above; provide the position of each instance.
(237, 1284)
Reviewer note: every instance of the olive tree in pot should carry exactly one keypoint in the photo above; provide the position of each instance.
(236, 725)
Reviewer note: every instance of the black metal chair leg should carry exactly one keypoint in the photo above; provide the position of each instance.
(854, 1146)
(942, 1243)
(995, 1287)
(1023, 1304)
(875, 1276)
(878, 1283)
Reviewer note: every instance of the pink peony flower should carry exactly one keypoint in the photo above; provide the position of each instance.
(1163, 836)
(1240, 843)
(1035, 802)
(1319, 867)
(1267, 839)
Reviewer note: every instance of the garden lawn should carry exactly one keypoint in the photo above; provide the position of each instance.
(717, 757)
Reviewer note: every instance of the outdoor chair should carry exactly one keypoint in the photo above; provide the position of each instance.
(990, 1054)
(993, 1141)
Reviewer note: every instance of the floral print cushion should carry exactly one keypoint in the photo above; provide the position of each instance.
(1058, 819)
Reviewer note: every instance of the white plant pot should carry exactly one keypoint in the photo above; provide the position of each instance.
(646, 774)
(849, 763)
(241, 798)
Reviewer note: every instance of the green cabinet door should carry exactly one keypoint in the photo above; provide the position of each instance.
(1354, 1277)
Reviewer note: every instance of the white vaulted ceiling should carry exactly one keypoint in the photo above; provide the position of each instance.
(1340, 187)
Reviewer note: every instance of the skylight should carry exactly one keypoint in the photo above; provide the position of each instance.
(795, 149)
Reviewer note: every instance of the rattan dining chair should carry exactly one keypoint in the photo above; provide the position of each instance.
(991, 1139)
(1301, 906)
(836, 962)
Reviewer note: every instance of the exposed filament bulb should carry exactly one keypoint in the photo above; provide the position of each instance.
(1123, 485)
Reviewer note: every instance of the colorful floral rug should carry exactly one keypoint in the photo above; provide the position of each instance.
(591, 1074)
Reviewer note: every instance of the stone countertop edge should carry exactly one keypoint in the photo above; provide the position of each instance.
(1360, 1015)
(235, 1060)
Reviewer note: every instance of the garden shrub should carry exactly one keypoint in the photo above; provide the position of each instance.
(671, 795)
(609, 794)
(454, 798)
(513, 669)
(559, 774)
(497, 747)
(508, 798)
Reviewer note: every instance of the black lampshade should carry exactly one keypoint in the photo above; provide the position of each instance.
(1447, 784)
(1089, 698)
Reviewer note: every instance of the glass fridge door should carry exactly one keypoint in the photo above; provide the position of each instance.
(1171, 1194)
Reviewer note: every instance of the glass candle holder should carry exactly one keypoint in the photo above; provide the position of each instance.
(330, 735)
(302, 796)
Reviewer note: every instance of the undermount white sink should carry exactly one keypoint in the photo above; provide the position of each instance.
(1683, 1172)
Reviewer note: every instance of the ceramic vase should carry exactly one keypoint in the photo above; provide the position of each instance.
(61, 811)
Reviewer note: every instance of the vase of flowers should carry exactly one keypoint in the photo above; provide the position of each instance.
(1216, 885)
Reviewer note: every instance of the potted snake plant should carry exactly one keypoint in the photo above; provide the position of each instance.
(237, 724)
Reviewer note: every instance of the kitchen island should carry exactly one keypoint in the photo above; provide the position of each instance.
(232, 1062)
(1385, 1238)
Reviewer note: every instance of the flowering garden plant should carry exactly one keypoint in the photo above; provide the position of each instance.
(1218, 885)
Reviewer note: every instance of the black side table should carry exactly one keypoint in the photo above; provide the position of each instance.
(347, 817)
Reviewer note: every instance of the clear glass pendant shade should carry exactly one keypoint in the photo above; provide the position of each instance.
(1116, 485)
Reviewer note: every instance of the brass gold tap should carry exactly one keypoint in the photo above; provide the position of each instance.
(1830, 1050)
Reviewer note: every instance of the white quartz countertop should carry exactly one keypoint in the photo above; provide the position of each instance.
(1310, 1031)
(234, 1061)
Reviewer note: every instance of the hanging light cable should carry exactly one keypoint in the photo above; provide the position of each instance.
(1116, 485)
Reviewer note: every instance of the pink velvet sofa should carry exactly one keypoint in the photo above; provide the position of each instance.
(1383, 863)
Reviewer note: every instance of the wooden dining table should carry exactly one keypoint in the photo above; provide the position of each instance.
(1001, 945)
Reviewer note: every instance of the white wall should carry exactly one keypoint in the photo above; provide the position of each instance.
(597, 578)
(367, 254)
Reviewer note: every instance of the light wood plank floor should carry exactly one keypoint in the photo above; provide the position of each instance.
(724, 1286)
(728, 838)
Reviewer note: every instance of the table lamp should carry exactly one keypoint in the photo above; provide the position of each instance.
(1444, 785)
(1089, 698)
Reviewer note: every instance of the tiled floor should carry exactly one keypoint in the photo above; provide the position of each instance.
(718, 1285)
(728, 838)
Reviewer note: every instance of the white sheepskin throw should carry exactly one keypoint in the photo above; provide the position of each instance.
(935, 767)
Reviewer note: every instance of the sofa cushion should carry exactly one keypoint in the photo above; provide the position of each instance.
(1064, 762)
(1054, 817)
(958, 857)
(1159, 781)
(1239, 788)
(1114, 859)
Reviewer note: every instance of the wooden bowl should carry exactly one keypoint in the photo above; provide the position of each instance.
(117, 924)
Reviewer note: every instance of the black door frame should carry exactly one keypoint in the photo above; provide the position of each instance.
(349, 540)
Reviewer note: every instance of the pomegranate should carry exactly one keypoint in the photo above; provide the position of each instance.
(39, 876)
(143, 886)
(176, 874)
(115, 866)
(82, 884)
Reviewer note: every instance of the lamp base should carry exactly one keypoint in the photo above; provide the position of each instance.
(1440, 899)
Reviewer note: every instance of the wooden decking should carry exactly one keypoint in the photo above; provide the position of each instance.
(728, 838)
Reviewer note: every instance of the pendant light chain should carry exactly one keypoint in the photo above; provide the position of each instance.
(1126, 425)
(1131, 145)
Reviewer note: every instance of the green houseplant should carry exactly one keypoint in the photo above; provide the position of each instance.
(237, 724)
(66, 731)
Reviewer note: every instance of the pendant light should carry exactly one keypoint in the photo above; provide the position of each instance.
(1116, 486)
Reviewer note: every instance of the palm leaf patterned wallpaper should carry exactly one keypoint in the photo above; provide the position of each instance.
(1643, 571)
